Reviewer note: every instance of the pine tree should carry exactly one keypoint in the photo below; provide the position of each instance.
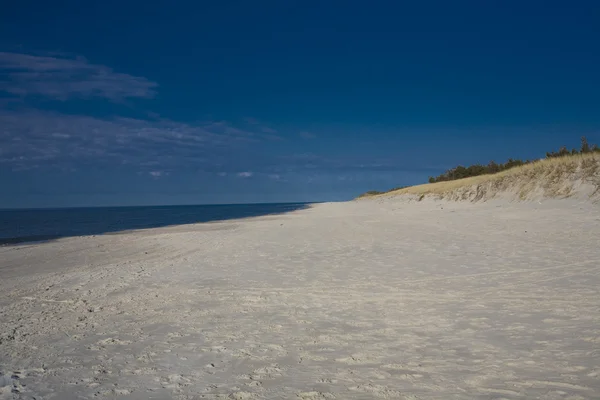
(585, 147)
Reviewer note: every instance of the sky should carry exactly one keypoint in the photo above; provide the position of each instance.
(203, 102)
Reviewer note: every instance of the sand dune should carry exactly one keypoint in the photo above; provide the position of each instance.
(381, 298)
(574, 176)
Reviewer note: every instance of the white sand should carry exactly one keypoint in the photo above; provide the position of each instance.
(373, 299)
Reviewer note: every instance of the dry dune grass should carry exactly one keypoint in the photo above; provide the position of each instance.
(552, 178)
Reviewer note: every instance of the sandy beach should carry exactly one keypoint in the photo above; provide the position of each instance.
(381, 298)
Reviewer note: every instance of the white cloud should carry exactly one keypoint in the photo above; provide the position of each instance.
(246, 174)
(34, 138)
(61, 78)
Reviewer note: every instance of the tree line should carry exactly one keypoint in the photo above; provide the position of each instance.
(460, 171)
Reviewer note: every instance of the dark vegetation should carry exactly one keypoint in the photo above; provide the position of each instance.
(492, 167)
(461, 172)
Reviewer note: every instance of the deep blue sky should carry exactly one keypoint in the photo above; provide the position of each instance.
(156, 102)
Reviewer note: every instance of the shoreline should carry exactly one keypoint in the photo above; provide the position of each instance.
(37, 239)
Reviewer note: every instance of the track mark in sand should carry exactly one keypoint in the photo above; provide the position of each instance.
(174, 382)
(395, 366)
(501, 392)
(243, 396)
(122, 391)
(512, 271)
(111, 393)
(139, 371)
(327, 380)
(403, 372)
(410, 377)
(254, 384)
(312, 357)
(267, 372)
(47, 301)
(315, 395)
(358, 359)
(546, 384)
(376, 374)
(112, 341)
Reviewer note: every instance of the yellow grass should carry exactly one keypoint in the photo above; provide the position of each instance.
(553, 177)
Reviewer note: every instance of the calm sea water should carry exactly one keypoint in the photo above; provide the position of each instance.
(18, 226)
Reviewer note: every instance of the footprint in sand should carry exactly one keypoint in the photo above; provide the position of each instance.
(112, 341)
(11, 383)
(174, 381)
(377, 391)
(243, 396)
(358, 359)
(327, 380)
(254, 384)
(273, 370)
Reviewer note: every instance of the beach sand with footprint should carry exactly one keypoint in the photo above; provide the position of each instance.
(365, 300)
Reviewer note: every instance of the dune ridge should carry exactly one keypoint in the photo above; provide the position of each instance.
(576, 176)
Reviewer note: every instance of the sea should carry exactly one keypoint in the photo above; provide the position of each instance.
(19, 226)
